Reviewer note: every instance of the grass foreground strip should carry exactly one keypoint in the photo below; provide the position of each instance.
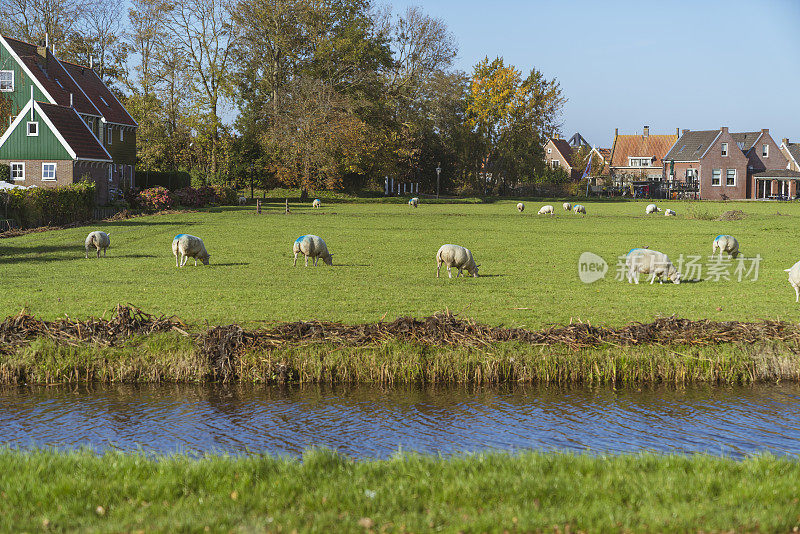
(134, 346)
(327, 492)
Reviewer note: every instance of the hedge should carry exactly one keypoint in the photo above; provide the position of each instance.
(56, 206)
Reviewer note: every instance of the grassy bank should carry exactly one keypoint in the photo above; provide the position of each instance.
(171, 357)
(325, 492)
(384, 264)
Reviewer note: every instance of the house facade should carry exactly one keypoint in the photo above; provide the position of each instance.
(791, 151)
(726, 165)
(558, 154)
(638, 157)
(62, 123)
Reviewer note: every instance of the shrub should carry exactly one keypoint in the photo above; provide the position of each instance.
(60, 205)
(227, 196)
(155, 199)
(5, 172)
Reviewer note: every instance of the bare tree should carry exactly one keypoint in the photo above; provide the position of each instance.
(202, 30)
(31, 20)
(146, 33)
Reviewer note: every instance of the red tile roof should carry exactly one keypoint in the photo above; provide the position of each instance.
(53, 77)
(74, 131)
(100, 95)
(626, 146)
(60, 78)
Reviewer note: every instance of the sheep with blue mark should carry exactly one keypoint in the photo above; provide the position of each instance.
(656, 264)
(725, 243)
(99, 240)
(579, 208)
(458, 257)
(185, 246)
(312, 246)
(414, 202)
(317, 203)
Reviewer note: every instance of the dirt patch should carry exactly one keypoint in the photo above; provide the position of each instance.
(732, 215)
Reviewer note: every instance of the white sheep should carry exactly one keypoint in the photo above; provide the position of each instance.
(456, 256)
(185, 246)
(567, 206)
(656, 264)
(520, 207)
(579, 208)
(242, 201)
(546, 210)
(725, 243)
(794, 279)
(99, 240)
(413, 202)
(312, 246)
(317, 203)
(670, 213)
(651, 208)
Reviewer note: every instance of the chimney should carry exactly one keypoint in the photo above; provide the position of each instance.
(646, 132)
(723, 129)
(91, 62)
(616, 132)
(765, 130)
(42, 51)
(678, 132)
(785, 142)
(70, 100)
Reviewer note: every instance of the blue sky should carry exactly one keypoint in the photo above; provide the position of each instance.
(623, 64)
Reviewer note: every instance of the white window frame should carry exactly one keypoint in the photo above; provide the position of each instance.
(727, 175)
(110, 173)
(719, 178)
(764, 151)
(28, 128)
(6, 89)
(121, 134)
(549, 150)
(55, 171)
(110, 135)
(724, 150)
(555, 164)
(11, 167)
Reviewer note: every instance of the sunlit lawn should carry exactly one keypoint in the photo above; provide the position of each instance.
(384, 264)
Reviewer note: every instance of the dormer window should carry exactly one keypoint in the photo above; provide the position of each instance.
(724, 149)
(7, 81)
(639, 162)
(33, 129)
(765, 151)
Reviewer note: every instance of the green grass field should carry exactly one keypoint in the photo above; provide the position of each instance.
(116, 492)
(384, 264)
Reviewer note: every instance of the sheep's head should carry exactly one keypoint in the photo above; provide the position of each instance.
(474, 271)
(674, 275)
(206, 259)
(328, 259)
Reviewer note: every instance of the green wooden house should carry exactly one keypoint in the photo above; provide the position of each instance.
(62, 123)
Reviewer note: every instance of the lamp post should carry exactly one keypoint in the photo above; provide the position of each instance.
(438, 173)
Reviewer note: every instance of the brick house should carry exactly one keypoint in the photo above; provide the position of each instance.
(558, 154)
(638, 157)
(62, 123)
(603, 156)
(791, 151)
(727, 165)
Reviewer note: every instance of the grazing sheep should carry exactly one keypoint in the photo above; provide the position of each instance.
(670, 213)
(520, 207)
(456, 256)
(312, 246)
(414, 202)
(794, 279)
(547, 210)
(99, 240)
(651, 208)
(185, 246)
(656, 264)
(317, 203)
(579, 208)
(567, 206)
(242, 201)
(725, 243)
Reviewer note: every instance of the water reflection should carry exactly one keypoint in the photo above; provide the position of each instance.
(375, 422)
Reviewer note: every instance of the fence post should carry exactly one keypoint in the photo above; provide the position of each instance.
(258, 207)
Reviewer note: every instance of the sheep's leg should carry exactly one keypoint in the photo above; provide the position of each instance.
(195, 261)
(98, 252)
(438, 268)
(87, 253)
(176, 261)
(104, 252)
(295, 259)
(306, 260)
(652, 278)
(316, 259)
(449, 274)
(797, 293)
(460, 273)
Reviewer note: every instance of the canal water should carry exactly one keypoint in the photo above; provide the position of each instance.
(373, 422)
